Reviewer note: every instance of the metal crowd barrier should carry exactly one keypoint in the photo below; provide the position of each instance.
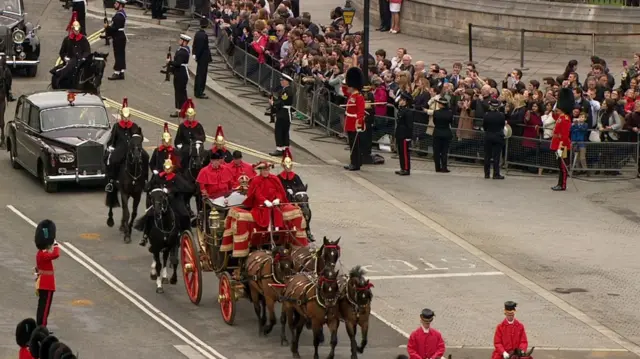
(317, 106)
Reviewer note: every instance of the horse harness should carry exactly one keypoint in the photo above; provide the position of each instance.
(262, 261)
(312, 281)
(355, 307)
(159, 217)
(134, 161)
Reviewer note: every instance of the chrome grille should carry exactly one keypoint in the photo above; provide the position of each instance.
(89, 157)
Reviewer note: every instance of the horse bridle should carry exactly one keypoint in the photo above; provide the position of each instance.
(136, 161)
(166, 208)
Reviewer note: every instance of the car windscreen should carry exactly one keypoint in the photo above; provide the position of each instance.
(12, 6)
(73, 116)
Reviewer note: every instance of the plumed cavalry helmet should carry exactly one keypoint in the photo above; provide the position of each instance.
(219, 140)
(354, 78)
(45, 234)
(166, 135)
(124, 111)
(287, 159)
(170, 163)
(74, 24)
(566, 101)
(24, 330)
(188, 110)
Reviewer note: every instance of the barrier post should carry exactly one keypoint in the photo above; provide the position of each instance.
(470, 42)
(522, 31)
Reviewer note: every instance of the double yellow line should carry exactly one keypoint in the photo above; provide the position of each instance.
(95, 37)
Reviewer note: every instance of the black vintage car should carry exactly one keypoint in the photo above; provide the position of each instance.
(18, 39)
(59, 136)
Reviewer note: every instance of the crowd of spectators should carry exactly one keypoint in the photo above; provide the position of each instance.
(605, 111)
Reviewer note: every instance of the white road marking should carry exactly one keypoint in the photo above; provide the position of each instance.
(435, 275)
(188, 351)
(172, 326)
(485, 257)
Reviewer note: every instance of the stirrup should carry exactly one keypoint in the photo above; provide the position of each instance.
(109, 187)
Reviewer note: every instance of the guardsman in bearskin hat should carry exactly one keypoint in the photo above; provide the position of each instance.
(62, 351)
(510, 334)
(215, 179)
(266, 191)
(493, 124)
(49, 346)
(290, 180)
(239, 168)
(404, 133)
(118, 143)
(426, 341)
(561, 140)
(281, 106)
(219, 146)
(116, 31)
(48, 251)
(23, 334)
(37, 337)
(354, 116)
(162, 152)
(178, 67)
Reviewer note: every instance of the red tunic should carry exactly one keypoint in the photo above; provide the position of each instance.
(509, 337)
(44, 263)
(354, 114)
(215, 181)
(561, 133)
(24, 353)
(243, 168)
(423, 345)
(265, 189)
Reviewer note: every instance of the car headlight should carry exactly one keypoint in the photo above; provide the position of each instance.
(18, 36)
(66, 158)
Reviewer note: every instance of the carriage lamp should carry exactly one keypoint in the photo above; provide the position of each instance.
(348, 13)
(214, 220)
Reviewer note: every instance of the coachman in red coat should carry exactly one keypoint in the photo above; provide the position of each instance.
(510, 334)
(265, 195)
(48, 251)
(561, 141)
(426, 342)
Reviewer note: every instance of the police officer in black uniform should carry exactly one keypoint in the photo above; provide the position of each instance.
(118, 143)
(404, 133)
(5, 93)
(281, 104)
(493, 124)
(202, 55)
(116, 31)
(178, 67)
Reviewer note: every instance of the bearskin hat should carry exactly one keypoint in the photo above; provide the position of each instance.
(58, 350)
(566, 101)
(45, 234)
(354, 78)
(38, 335)
(47, 344)
(24, 330)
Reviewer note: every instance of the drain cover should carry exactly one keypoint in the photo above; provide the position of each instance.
(569, 290)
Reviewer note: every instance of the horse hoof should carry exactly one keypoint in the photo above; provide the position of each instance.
(153, 276)
(267, 330)
(284, 342)
(110, 222)
(165, 280)
(159, 290)
(121, 229)
(127, 239)
(360, 350)
(173, 280)
(354, 356)
(296, 355)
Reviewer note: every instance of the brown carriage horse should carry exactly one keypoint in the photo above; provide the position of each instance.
(314, 298)
(355, 307)
(267, 272)
(307, 260)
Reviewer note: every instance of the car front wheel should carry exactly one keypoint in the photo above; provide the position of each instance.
(13, 155)
(49, 187)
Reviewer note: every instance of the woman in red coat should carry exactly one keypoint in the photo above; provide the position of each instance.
(510, 334)
(48, 251)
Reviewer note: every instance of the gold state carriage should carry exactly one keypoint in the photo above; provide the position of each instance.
(225, 235)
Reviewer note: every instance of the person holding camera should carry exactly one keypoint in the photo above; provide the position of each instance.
(48, 251)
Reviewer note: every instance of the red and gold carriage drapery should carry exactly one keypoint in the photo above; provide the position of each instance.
(240, 230)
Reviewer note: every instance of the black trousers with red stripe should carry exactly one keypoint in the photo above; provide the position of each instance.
(403, 144)
(45, 298)
(562, 173)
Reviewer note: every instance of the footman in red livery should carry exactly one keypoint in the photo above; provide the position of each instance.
(510, 334)
(266, 191)
(426, 342)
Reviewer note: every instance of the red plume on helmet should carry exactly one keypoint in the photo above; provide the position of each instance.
(174, 160)
(286, 153)
(219, 131)
(74, 17)
(125, 101)
(187, 104)
(166, 127)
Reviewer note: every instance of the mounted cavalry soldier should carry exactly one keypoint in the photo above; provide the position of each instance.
(178, 67)
(162, 152)
(189, 130)
(80, 7)
(118, 143)
(116, 31)
(219, 146)
(290, 180)
(74, 51)
(281, 106)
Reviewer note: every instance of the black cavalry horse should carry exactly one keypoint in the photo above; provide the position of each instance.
(163, 236)
(84, 77)
(192, 163)
(134, 173)
(300, 197)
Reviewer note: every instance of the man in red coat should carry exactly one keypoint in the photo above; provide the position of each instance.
(561, 140)
(48, 251)
(215, 180)
(264, 196)
(510, 334)
(354, 116)
(238, 168)
(426, 342)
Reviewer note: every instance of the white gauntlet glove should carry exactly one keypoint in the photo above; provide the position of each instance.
(66, 59)
(290, 191)
(155, 172)
(110, 149)
(505, 355)
(165, 190)
(276, 202)
(268, 203)
(559, 153)
(179, 145)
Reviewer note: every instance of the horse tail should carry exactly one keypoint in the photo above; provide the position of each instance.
(111, 199)
(140, 223)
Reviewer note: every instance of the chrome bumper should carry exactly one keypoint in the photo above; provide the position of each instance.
(75, 178)
(12, 61)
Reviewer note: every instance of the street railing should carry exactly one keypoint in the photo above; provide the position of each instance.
(318, 106)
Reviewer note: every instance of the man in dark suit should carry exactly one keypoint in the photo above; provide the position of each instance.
(385, 15)
(202, 55)
(493, 123)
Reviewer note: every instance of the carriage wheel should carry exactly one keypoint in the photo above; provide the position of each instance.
(227, 299)
(191, 269)
(220, 260)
